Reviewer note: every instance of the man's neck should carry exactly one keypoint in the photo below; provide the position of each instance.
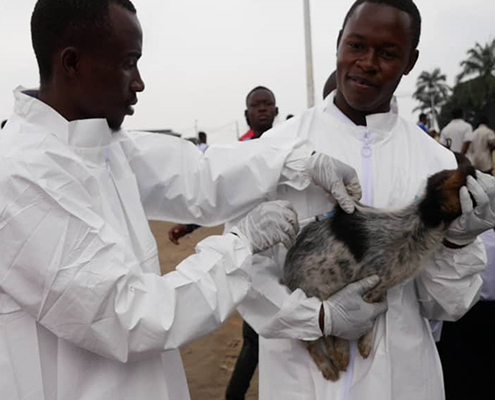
(49, 95)
(356, 116)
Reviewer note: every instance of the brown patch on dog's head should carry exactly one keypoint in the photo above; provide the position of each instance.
(442, 193)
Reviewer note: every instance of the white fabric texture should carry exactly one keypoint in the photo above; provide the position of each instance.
(84, 312)
(455, 133)
(404, 364)
(480, 152)
(488, 288)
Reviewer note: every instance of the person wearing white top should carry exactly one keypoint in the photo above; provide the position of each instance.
(393, 158)
(457, 134)
(202, 145)
(84, 312)
(482, 146)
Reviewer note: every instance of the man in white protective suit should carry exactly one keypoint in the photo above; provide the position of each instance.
(393, 158)
(84, 313)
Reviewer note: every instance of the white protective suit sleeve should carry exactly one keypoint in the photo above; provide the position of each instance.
(273, 311)
(178, 183)
(451, 283)
(76, 275)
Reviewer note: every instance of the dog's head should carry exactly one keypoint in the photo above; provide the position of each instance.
(441, 202)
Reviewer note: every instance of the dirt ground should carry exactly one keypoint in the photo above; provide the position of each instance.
(208, 361)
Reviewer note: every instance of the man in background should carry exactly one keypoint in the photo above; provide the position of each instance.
(202, 145)
(422, 123)
(482, 146)
(457, 134)
(260, 113)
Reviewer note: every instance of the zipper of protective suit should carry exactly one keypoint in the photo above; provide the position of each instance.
(367, 185)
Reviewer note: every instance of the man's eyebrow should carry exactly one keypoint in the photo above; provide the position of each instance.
(361, 37)
(356, 36)
(391, 44)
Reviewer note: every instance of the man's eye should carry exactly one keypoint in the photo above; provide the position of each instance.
(131, 63)
(388, 55)
(356, 46)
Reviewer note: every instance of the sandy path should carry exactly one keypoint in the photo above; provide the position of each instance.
(208, 361)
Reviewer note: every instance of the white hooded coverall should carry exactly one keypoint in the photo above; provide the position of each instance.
(84, 312)
(392, 158)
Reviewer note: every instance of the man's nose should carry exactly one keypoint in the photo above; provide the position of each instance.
(137, 84)
(368, 61)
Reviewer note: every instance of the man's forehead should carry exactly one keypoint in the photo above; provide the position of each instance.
(379, 20)
(260, 94)
(124, 23)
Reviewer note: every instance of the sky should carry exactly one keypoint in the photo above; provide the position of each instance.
(201, 58)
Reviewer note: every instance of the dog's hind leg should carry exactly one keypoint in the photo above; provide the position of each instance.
(317, 350)
(340, 354)
(365, 343)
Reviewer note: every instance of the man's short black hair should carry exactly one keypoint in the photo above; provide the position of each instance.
(407, 6)
(483, 120)
(59, 23)
(422, 116)
(457, 113)
(256, 89)
(202, 137)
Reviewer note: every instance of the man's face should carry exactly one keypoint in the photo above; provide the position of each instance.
(261, 110)
(108, 76)
(374, 52)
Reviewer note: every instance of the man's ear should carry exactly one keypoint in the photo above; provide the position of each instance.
(70, 58)
(276, 111)
(412, 61)
(247, 118)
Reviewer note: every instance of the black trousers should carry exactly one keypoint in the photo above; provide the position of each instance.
(246, 364)
(467, 351)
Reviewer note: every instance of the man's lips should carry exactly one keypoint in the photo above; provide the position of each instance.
(362, 82)
(130, 107)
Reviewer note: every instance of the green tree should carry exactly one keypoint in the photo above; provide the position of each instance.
(480, 61)
(480, 68)
(474, 91)
(431, 92)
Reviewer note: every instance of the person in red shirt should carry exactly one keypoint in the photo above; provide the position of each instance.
(260, 113)
(261, 110)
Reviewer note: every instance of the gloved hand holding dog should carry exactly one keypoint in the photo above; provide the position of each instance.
(474, 219)
(345, 314)
(337, 178)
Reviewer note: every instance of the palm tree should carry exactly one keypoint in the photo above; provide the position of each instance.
(480, 61)
(432, 92)
(480, 68)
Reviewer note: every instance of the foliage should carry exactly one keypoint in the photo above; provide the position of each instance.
(474, 90)
(432, 92)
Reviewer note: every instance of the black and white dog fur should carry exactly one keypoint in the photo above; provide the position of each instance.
(331, 253)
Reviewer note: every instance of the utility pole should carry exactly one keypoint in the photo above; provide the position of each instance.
(310, 86)
(433, 113)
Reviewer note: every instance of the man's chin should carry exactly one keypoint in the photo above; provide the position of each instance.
(114, 124)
